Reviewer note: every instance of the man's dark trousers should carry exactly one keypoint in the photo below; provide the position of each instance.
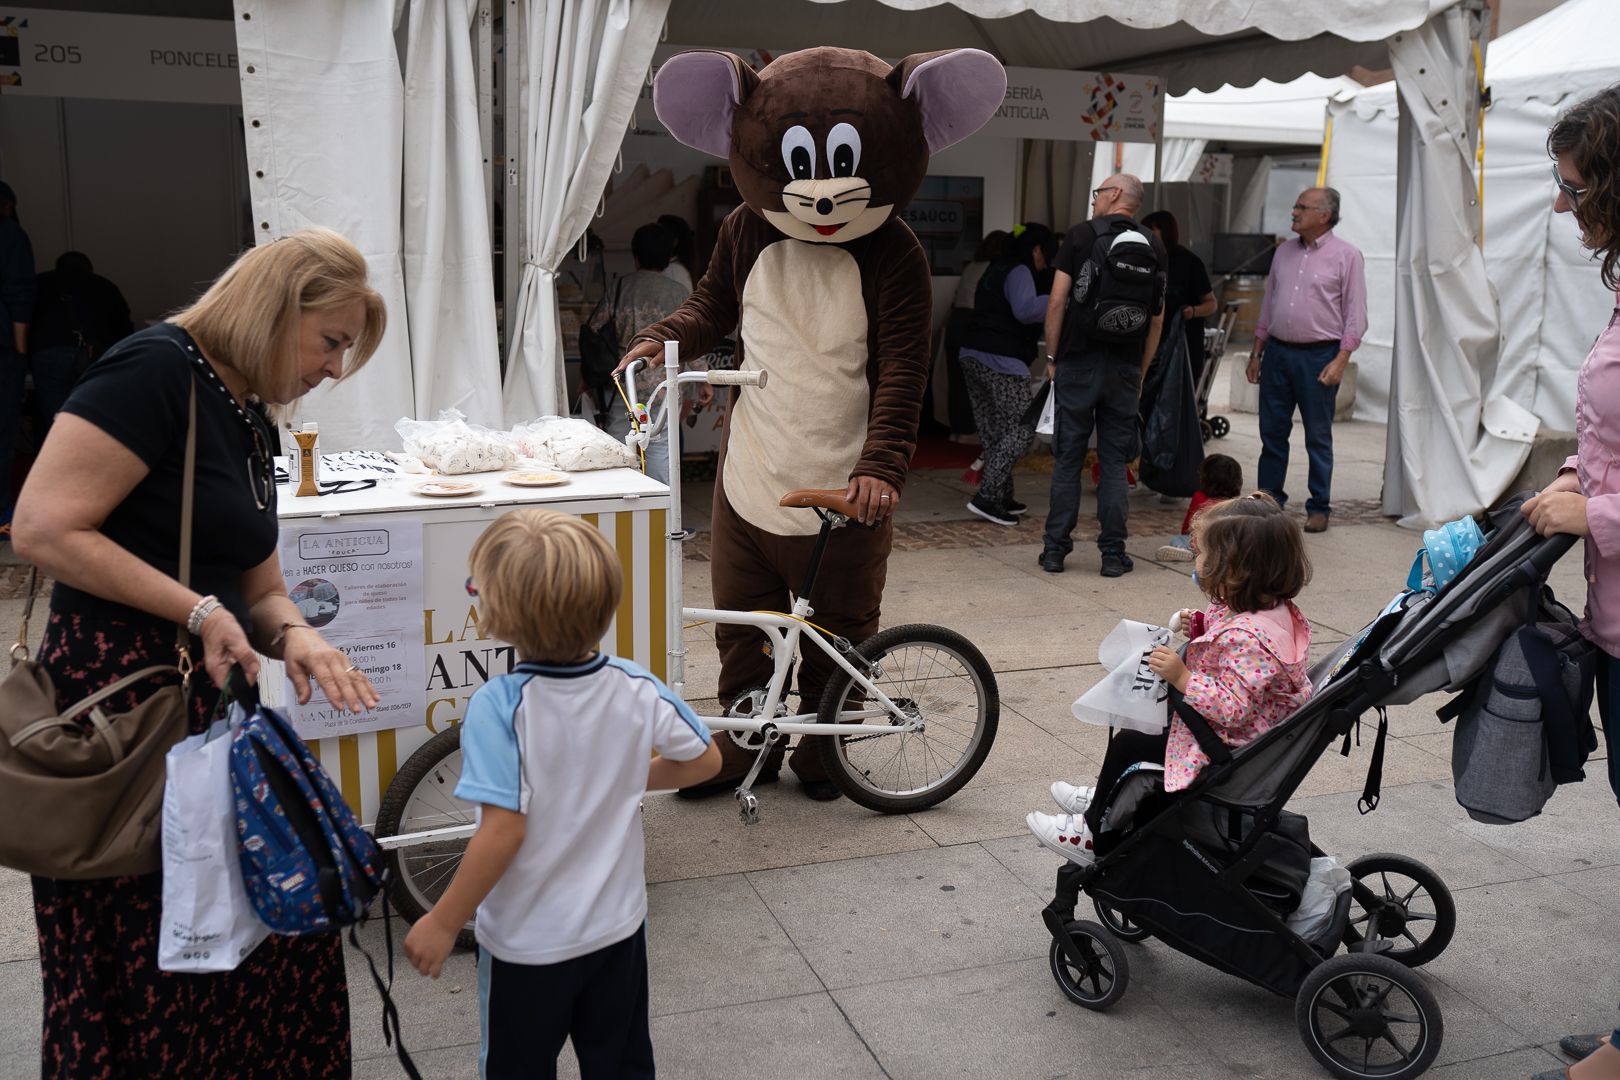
(1101, 391)
(1289, 378)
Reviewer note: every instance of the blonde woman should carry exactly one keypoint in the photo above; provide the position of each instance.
(100, 515)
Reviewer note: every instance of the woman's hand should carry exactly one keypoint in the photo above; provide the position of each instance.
(1554, 512)
(308, 656)
(1167, 665)
(224, 646)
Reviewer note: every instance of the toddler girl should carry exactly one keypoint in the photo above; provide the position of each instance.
(1245, 668)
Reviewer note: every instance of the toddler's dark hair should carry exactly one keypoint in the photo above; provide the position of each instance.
(1254, 553)
(1220, 477)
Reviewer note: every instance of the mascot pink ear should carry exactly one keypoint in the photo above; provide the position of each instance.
(957, 90)
(695, 94)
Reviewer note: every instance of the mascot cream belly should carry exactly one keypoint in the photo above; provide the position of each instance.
(829, 292)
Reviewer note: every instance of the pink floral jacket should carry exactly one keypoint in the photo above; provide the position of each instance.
(1248, 673)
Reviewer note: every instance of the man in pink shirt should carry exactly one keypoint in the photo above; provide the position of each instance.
(1311, 320)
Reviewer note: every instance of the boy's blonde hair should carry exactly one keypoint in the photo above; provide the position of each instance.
(547, 582)
(248, 319)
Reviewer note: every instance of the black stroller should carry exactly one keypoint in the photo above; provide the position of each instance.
(1215, 870)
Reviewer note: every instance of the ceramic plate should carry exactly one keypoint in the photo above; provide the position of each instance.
(447, 489)
(536, 479)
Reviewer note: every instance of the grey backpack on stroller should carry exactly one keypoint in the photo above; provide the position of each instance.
(1525, 725)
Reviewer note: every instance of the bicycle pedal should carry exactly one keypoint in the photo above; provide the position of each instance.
(747, 807)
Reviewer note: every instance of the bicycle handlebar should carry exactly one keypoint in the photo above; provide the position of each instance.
(735, 378)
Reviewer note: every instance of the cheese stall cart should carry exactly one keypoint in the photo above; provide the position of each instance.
(379, 565)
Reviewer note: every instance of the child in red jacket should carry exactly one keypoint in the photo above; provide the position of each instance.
(1219, 478)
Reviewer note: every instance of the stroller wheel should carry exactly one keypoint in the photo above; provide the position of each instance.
(1404, 902)
(1097, 975)
(1221, 426)
(1363, 1016)
(1206, 429)
(1120, 924)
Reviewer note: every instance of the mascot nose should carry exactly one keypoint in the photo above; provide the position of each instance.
(824, 206)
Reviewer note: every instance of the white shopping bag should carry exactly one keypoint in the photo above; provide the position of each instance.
(1130, 696)
(1046, 423)
(208, 923)
(1320, 896)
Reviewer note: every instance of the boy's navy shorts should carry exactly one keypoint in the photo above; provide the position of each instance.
(526, 1011)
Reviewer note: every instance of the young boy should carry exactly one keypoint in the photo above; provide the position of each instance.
(556, 757)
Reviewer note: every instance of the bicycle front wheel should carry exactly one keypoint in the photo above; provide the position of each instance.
(933, 676)
(422, 797)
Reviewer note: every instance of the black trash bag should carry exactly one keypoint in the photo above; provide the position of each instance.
(1172, 435)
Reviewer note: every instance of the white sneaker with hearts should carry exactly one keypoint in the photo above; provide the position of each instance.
(1066, 834)
(1070, 798)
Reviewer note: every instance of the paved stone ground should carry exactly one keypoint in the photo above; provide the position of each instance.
(832, 942)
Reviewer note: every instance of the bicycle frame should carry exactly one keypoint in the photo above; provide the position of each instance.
(785, 630)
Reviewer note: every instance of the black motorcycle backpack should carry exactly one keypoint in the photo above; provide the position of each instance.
(1112, 299)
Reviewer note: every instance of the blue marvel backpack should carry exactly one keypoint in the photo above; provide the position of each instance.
(307, 865)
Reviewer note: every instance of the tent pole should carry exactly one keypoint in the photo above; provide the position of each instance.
(513, 45)
(1158, 170)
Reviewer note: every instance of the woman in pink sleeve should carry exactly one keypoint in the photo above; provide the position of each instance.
(1585, 498)
(1245, 668)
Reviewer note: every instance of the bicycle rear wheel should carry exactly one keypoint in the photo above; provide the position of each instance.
(933, 675)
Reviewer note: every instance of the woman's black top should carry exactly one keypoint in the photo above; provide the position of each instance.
(137, 393)
(1188, 284)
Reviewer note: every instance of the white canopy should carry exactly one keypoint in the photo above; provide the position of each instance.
(1267, 112)
(1195, 43)
(1551, 297)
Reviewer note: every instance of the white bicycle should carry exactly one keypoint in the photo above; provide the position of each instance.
(906, 719)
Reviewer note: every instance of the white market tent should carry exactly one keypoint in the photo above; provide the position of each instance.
(1552, 299)
(1274, 113)
(339, 137)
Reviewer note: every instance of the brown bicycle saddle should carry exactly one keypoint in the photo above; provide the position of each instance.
(827, 499)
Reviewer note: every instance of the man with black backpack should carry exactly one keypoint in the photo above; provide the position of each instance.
(1103, 323)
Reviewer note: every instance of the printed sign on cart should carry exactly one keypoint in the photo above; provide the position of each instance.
(361, 586)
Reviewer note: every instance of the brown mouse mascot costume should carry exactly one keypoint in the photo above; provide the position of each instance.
(830, 293)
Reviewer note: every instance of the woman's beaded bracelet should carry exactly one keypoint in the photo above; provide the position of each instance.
(281, 635)
(199, 614)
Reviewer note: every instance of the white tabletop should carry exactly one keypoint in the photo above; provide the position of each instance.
(627, 488)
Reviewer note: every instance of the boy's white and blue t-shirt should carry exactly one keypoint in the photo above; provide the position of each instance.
(568, 745)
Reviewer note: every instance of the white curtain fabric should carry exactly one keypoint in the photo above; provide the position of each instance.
(1452, 448)
(323, 116)
(1180, 159)
(1057, 182)
(449, 278)
(1249, 209)
(584, 62)
(1361, 167)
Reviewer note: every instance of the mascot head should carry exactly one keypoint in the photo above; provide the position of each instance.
(826, 144)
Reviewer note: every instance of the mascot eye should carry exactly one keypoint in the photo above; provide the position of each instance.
(844, 150)
(799, 153)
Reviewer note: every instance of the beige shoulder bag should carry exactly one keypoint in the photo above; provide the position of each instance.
(81, 791)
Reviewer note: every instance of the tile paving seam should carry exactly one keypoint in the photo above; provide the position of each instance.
(751, 1001)
(1035, 923)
